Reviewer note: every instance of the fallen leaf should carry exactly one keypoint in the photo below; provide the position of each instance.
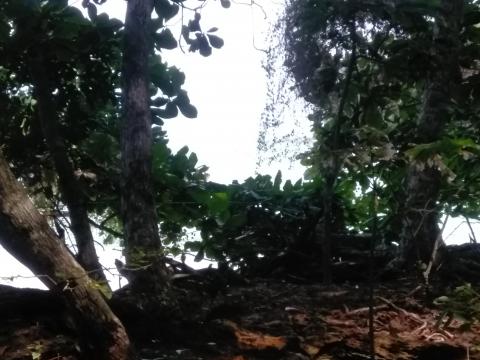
(300, 319)
(250, 340)
(310, 349)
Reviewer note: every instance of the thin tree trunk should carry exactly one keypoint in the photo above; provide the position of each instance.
(71, 189)
(420, 223)
(332, 173)
(25, 233)
(325, 227)
(142, 241)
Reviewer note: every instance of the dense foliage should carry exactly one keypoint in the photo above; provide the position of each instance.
(236, 222)
(364, 66)
(73, 52)
(368, 68)
(392, 88)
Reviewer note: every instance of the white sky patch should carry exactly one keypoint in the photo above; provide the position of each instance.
(13, 273)
(228, 88)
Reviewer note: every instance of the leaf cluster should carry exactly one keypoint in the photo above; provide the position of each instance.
(394, 50)
(258, 220)
(81, 59)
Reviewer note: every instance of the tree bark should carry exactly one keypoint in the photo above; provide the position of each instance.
(420, 223)
(331, 174)
(142, 241)
(25, 233)
(71, 189)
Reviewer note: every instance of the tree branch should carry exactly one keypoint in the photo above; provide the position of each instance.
(105, 228)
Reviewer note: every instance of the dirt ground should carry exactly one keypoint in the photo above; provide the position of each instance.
(263, 319)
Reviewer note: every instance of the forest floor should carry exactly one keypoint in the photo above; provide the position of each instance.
(265, 319)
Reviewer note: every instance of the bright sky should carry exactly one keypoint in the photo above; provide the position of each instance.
(229, 90)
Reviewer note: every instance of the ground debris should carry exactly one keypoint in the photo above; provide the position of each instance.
(274, 319)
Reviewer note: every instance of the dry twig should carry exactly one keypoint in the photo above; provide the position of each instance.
(403, 311)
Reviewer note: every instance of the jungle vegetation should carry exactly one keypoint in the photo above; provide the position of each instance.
(392, 92)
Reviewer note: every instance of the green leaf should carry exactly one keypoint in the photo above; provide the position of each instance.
(188, 110)
(216, 41)
(203, 45)
(182, 97)
(176, 76)
(158, 73)
(298, 184)
(169, 112)
(23, 7)
(159, 101)
(194, 25)
(157, 130)
(70, 24)
(218, 202)
(165, 9)
(288, 187)
(201, 196)
(183, 103)
(167, 79)
(160, 154)
(200, 256)
(92, 11)
(222, 218)
(55, 5)
(165, 40)
(157, 120)
(236, 221)
(225, 3)
(192, 159)
(182, 152)
(193, 245)
(373, 117)
(278, 181)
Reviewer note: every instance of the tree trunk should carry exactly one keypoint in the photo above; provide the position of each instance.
(71, 189)
(332, 171)
(420, 223)
(142, 241)
(324, 227)
(25, 233)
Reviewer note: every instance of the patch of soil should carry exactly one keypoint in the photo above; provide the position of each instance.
(268, 319)
(283, 320)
